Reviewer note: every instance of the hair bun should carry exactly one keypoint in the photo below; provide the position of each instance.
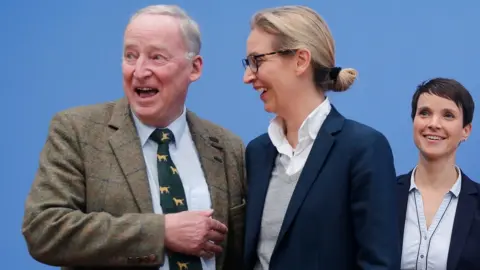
(344, 80)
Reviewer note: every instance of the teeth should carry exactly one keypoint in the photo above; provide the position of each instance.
(435, 138)
(144, 88)
(261, 90)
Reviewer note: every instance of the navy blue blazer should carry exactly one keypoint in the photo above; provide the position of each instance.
(342, 214)
(464, 252)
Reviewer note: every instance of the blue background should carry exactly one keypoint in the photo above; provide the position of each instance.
(61, 54)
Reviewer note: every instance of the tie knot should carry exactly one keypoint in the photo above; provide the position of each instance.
(162, 136)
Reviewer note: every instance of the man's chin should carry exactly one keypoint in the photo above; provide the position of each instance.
(146, 114)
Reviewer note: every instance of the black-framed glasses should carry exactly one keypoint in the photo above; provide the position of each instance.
(252, 60)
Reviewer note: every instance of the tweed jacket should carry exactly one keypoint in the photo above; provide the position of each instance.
(90, 206)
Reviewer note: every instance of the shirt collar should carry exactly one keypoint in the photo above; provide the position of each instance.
(177, 127)
(309, 128)
(455, 190)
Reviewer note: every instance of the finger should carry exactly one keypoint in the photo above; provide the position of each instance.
(210, 247)
(215, 236)
(206, 255)
(217, 226)
(205, 213)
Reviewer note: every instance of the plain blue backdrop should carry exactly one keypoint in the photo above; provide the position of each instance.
(61, 54)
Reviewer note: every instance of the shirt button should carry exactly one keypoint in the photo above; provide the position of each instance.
(421, 256)
(425, 237)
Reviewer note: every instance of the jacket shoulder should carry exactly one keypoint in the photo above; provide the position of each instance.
(357, 130)
(474, 184)
(403, 176)
(258, 141)
(99, 113)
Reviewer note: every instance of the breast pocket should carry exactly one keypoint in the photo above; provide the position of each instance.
(236, 233)
(237, 217)
(238, 209)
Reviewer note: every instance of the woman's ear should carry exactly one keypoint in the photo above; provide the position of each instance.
(302, 60)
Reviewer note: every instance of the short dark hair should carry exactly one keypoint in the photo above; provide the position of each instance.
(449, 89)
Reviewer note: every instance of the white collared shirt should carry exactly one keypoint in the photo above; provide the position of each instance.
(294, 159)
(286, 172)
(427, 249)
(184, 154)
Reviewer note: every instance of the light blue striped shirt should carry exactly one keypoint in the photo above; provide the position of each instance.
(427, 249)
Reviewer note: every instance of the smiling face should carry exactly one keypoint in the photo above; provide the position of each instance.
(156, 69)
(438, 127)
(275, 76)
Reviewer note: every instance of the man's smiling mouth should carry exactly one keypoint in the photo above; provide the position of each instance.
(145, 92)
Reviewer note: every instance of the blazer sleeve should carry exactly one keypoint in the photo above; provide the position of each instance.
(373, 205)
(56, 227)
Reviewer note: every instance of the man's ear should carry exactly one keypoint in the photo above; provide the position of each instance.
(197, 66)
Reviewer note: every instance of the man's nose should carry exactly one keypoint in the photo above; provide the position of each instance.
(141, 69)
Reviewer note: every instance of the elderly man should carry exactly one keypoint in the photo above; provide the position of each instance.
(141, 182)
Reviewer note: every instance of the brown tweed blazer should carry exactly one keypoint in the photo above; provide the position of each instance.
(90, 206)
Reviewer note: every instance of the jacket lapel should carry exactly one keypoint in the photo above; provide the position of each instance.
(259, 172)
(210, 151)
(463, 220)
(126, 146)
(316, 159)
(403, 186)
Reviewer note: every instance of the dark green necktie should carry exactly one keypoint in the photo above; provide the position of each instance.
(172, 195)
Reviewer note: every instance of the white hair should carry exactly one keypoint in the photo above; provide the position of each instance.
(189, 28)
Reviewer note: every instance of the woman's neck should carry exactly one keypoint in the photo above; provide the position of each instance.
(436, 175)
(299, 110)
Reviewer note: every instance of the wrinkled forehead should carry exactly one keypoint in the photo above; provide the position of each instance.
(154, 30)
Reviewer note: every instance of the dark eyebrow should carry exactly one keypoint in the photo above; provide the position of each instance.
(449, 110)
(444, 110)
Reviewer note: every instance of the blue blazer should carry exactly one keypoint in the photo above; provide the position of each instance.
(342, 214)
(464, 252)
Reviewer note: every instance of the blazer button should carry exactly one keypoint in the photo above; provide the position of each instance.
(130, 260)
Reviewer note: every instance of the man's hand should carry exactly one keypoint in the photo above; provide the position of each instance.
(194, 233)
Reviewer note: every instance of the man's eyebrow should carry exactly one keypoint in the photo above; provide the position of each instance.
(158, 48)
(161, 48)
(129, 45)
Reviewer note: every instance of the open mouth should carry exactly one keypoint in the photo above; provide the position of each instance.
(434, 138)
(262, 91)
(146, 92)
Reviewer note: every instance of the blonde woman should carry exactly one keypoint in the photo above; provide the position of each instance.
(321, 191)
